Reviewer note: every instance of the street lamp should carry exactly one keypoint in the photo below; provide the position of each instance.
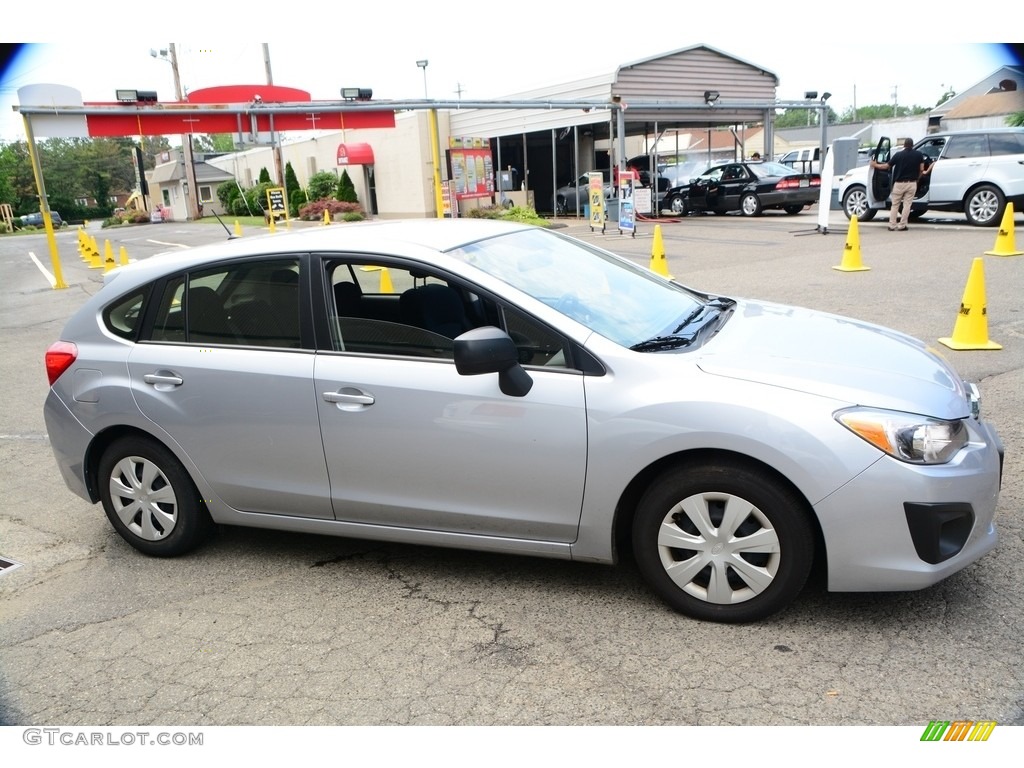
(422, 64)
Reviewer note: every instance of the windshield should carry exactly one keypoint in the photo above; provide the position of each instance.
(610, 295)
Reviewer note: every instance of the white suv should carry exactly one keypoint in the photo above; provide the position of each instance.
(977, 173)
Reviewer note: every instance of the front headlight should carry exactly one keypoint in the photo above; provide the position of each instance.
(906, 436)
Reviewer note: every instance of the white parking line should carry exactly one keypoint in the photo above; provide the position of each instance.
(46, 273)
(161, 242)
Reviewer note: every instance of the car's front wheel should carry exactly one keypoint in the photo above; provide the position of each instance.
(723, 542)
(793, 210)
(855, 203)
(150, 499)
(983, 206)
(750, 205)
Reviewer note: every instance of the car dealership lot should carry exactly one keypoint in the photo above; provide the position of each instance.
(262, 627)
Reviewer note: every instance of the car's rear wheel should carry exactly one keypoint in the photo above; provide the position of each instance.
(750, 205)
(150, 499)
(723, 542)
(983, 206)
(855, 203)
(793, 210)
(677, 204)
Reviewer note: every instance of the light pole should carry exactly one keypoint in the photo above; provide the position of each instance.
(192, 189)
(422, 64)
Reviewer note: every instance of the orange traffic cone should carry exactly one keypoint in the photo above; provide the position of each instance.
(1005, 243)
(971, 329)
(659, 263)
(851, 251)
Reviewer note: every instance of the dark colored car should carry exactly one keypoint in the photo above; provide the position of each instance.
(36, 220)
(749, 188)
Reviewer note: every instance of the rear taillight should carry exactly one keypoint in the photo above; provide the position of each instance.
(59, 357)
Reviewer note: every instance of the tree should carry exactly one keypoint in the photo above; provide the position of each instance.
(873, 112)
(293, 190)
(346, 189)
(218, 142)
(322, 185)
(264, 176)
(1016, 119)
(797, 118)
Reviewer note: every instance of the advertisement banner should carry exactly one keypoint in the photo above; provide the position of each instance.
(595, 189)
(627, 213)
(472, 168)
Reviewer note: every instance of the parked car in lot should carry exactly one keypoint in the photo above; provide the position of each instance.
(36, 219)
(975, 172)
(514, 390)
(749, 188)
(571, 197)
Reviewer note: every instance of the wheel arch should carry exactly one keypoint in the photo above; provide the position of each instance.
(625, 509)
(98, 446)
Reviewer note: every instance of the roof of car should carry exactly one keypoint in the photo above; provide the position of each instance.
(384, 237)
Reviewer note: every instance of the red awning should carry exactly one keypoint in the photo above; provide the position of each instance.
(355, 154)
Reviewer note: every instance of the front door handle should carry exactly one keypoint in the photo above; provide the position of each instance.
(349, 398)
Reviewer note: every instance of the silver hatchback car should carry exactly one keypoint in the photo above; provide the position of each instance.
(506, 388)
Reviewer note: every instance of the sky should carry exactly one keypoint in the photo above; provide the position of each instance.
(485, 56)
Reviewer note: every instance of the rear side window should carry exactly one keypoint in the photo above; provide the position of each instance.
(975, 145)
(122, 318)
(252, 304)
(1006, 143)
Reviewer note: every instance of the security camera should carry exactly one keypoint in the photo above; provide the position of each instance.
(257, 99)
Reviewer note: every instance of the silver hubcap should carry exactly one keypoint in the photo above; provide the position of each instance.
(719, 548)
(749, 205)
(676, 205)
(984, 206)
(143, 498)
(856, 204)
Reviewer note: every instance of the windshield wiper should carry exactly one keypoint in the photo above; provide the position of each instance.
(663, 342)
(718, 303)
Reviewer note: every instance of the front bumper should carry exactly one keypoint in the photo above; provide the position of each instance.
(899, 526)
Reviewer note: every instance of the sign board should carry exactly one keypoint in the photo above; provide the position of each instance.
(627, 213)
(595, 189)
(472, 169)
(275, 202)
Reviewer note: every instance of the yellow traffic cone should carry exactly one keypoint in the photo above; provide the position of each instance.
(659, 263)
(124, 256)
(971, 329)
(327, 217)
(385, 281)
(238, 228)
(95, 262)
(851, 251)
(108, 257)
(273, 224)
(1006, 244)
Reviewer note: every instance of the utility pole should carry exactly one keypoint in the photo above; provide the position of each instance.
(278, 159)
(192, 192)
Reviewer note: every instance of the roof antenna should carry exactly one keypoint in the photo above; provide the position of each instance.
(231, 235)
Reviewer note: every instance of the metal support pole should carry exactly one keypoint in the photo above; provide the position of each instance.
(44, 205)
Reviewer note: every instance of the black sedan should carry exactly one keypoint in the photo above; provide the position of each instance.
(749, 188)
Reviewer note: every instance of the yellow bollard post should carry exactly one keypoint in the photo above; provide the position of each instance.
(971, 328)
(385, 281)
(124, 256)
(273, 225)
(851, 251)
(1006, 244)
(659, 263)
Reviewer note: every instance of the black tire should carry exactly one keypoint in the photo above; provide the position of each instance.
(715, 584)
(150, 499)
(750, 204)
(793, 210)
(855, 203)
(984, 205)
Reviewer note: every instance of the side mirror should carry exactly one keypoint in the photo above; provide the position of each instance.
(491, 350)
